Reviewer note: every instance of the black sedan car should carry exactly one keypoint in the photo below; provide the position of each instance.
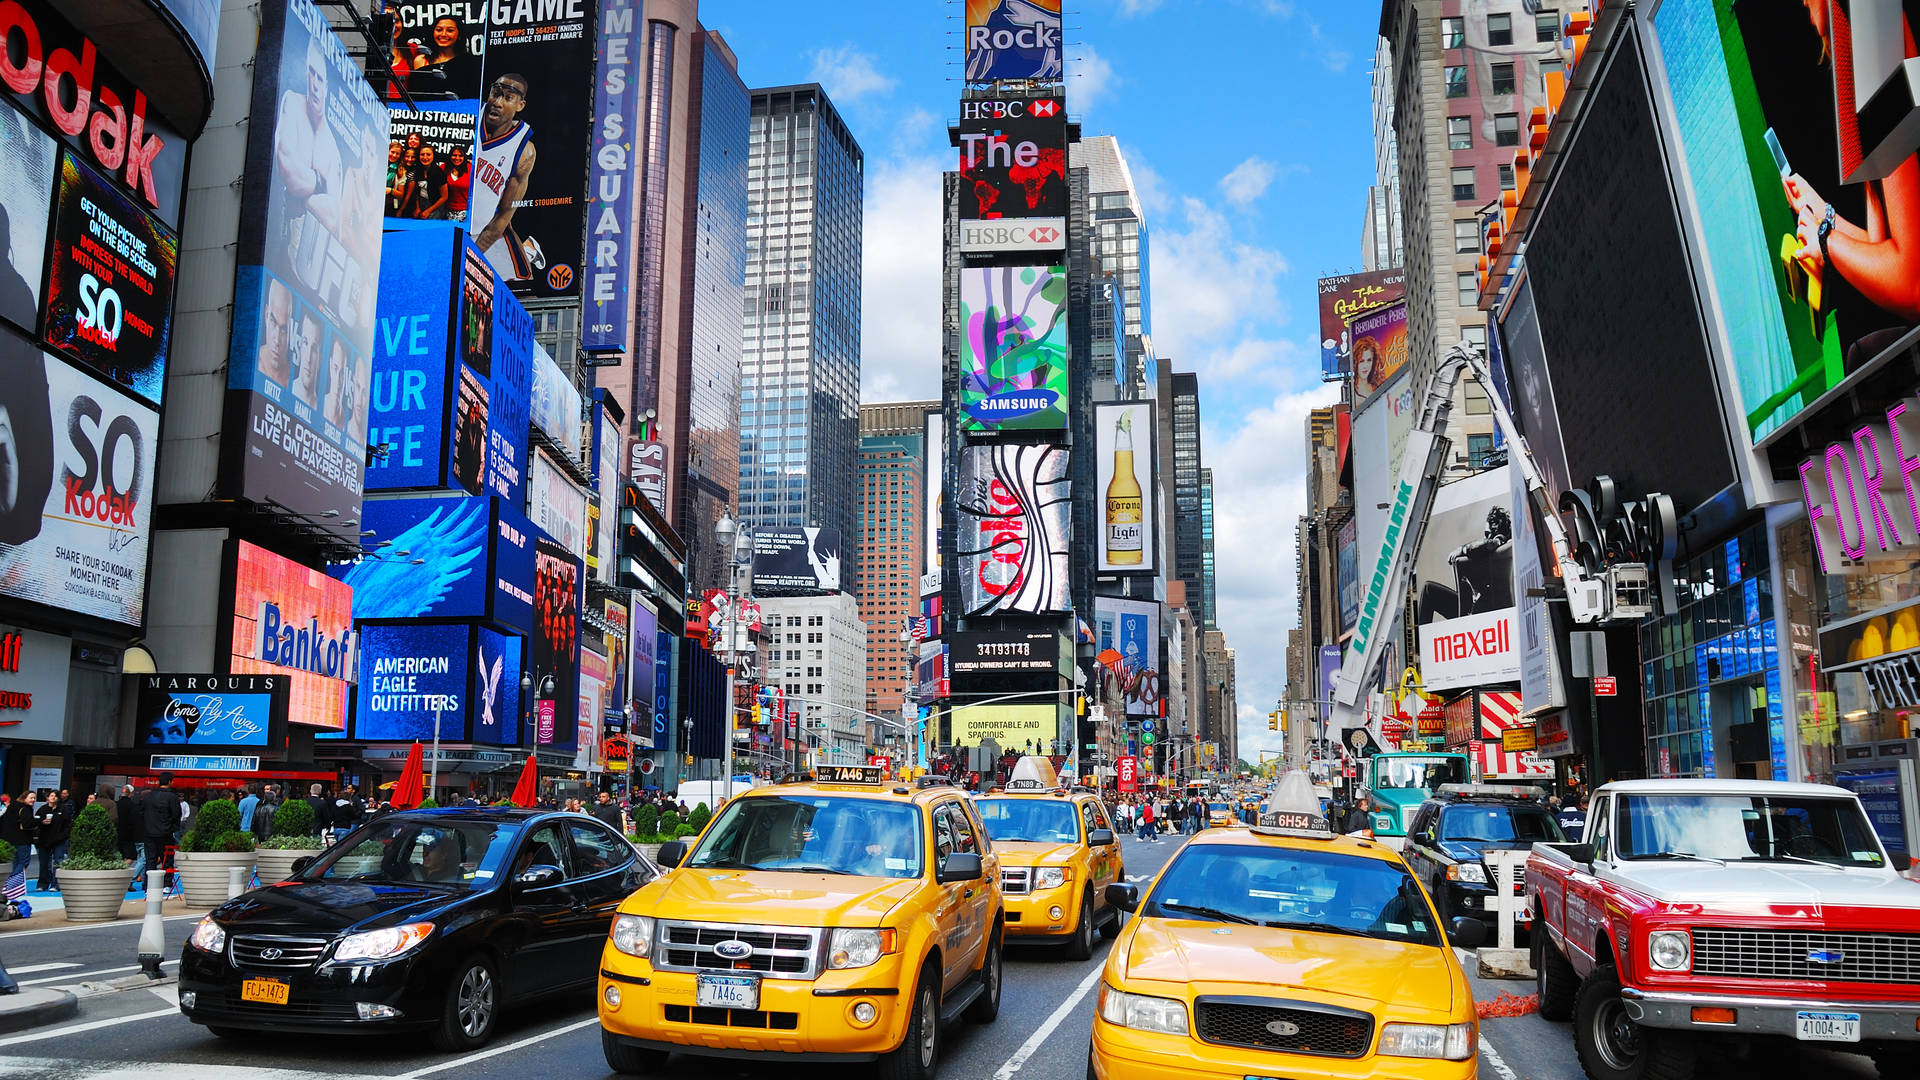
(1451, 834)
(431, 920)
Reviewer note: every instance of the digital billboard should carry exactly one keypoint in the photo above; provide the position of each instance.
(1009, 726)
(291, 620)
(1013, 39)
(557, 505)
(211, 711)
(1013, 347)
(430, 158)
(309, 256)
(1125, 479)
(510, 382)
(450, 534)
(77, 498)
(1013, 161)
(408, 402)
(930, 672)
(606, 320)
(556, 640)
(1347, 572)
(1127, 633)
(1380, 350)
(512, 569)
(1341, 298)
(935, 486)
(496, 688)
(438, 46)
(410, 675)
(27, 162)
(796, 562)
(555, 403)
(1004, 652)
(1014, 521)
(645, 654)
(1464, 576)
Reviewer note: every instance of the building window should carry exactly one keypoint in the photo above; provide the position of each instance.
(1478, 405)
(1506, 129)
(1459, 133)
(1453, 32)
(1478, 447)
(1457, 80)
(1463, 184)
(1546, 26)
(1468, 288)
(1466, 236)
(1475, 336)
(1499, 29)
(1502, 78)
(1506, 177)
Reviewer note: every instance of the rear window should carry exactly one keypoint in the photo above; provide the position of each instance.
(1494, 823)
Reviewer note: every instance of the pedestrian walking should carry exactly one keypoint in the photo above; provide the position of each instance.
(127, 825)
(249, 804)
(1573, 819)
(159, 820)
(322, 809)
(263, 814)
(1360, 815)
(608, 811)
(52, 823)
(1146, 822)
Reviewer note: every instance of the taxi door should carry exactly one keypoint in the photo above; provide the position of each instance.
(961, 940)
(1104, 861)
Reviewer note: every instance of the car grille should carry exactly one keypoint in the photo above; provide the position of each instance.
(270, 953)
(1294, 1027)
(779, 951)
(1774, 954)
(295, 1010)
(1016, 880)
(739, 1018)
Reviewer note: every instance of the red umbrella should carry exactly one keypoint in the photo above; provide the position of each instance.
(527, 790)
(407, 790)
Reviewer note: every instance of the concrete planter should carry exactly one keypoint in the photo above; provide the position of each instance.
(203, 874)
(276, 864)
(93, 895)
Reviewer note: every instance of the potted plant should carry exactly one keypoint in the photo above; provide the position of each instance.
(210, 848)
(94, 879)
(646, 829)
(294, 838)
(363, 859)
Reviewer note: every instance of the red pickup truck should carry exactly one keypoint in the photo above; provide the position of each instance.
(1701, 910)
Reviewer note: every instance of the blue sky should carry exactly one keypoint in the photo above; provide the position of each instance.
(1246, 125)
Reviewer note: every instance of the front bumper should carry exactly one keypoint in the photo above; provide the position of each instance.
(321, 1001)
(1030, 915)
(797, 1020)
(1125, 1054)
(1880, 1021)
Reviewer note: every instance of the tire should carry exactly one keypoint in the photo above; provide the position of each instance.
(471, 1009)
(1612, 1047)
(1080, 946)
(630, 1060)
(1896, 1060)
(1116, 922)
(993, 972)
(918, 1054)
(1554, 979)
(1091, 1073)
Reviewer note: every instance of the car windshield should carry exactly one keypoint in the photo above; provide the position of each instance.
(1418, 772)
(1322, 891)
(1746, 828)
(1046, 820)
(1218, 807)
(815, 834)
(434, 850)
(1498, 823)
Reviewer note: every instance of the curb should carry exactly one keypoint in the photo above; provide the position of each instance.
(128, 982)
(35, 1007)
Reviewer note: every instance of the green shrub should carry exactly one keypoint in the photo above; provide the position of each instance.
(428, 803)
(700, 816)
(294, 821)
(291, 842)
(94, 862)
(669, 823)
(235, 841)
(94, 835)
(210, 824)
(646, 819)
(6, 852)
(684, 831)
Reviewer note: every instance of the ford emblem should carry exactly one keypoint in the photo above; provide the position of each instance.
(733, 949)
(1826, 956)
(1283, 1028)
(270, 954)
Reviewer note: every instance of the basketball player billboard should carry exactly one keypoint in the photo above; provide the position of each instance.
(528, 202)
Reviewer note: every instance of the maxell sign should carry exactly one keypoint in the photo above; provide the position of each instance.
(1472, 650)
(1013, 234)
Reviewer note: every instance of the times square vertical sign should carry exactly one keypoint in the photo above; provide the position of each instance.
(605, 325)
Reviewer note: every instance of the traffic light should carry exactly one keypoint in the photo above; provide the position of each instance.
(1273, 720)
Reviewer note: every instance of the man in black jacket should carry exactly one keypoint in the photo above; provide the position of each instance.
(322, 810)
(159, 820)
(608, 811)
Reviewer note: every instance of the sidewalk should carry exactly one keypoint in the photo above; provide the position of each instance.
(49, 910)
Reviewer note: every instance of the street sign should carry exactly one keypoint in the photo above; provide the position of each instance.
(1127, 773)
(1147, 737)
(1605, 685)
(1146, 725)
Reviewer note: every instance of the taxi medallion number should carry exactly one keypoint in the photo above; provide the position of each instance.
(1827, 1026)
(726, 991)
(266, 991)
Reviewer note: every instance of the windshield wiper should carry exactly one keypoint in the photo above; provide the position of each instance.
(725, 864)
(1211, 913)
(1680, 855)
(809, 870)
(1322, 927)
(1783, 856)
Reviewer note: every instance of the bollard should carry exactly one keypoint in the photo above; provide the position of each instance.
(236, 881)
(153, 932)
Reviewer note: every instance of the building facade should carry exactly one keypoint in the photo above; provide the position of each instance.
(892, 486)
(817, 654)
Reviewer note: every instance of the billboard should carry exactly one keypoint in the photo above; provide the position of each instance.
(934, 454)
(645, 653)
(1013, 39)
(1127, 633)
(1013, 161)
(213, 711)
(413, 682)
(555, 403)
(930, 673)
(27, 161)
(1343, 297)
(557, 505)
(408, 402)
(796, 562)
(1009, 726)
(513, 561)
(604, 514)
(510, 383)
(78, 493)
(450, 534)
(430, 157)
(605, 320)
(1379, 349)
(1125, 475)
(438, 47)
(295, 621)
(1533, 623)
(1004, 652)
(309, 257)
(528, 208)
(1013, 347)
(496, 688)
(1013, 513)
(1464, 576)
(556, 638)
(1347, 572)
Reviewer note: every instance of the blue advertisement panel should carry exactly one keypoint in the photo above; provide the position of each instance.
(393, 581)
(663, 666)
(604, 319)
(646, 654)
(411, 341)
(211, 711)
(507, 409)
(408, 674)
(1879, 791)
(512, 569)
(556, 641)
(496, 688)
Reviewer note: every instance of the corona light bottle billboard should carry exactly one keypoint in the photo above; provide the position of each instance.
(1124, 505)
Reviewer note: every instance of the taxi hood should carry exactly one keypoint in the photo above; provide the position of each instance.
(1356, 972)
(1033, 852)
(776, 897)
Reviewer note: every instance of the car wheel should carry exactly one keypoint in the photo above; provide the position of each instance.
(1116, 921)
(1554, 979)
(992, 974)
(919, 1051)
(471, 1009)
(630, 1060)
(1081, 945)
(1611, 1046)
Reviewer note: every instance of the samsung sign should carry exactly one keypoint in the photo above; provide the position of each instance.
(1013, 234)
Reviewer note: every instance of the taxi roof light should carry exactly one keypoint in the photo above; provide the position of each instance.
(1033, 774)
(1293, 810)
(1518, 791)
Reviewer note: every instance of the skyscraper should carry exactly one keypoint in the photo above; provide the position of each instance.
(800, 367)
(1190, 545)
(892, 508)
(1118, 242)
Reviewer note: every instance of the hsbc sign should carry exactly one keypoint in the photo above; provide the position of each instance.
(1012, 109)
(1013, 234)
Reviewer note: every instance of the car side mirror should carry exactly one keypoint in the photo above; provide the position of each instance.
(539, 877)
(1901, 860)
(300, 864)
(672, 854)
(1467, 933)
(1580, 853)
(959, 866)
(1124, 896)
(1100, 837)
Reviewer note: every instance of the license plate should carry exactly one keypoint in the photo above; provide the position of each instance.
(726, 991)
(1827, 1026)
(266, 991)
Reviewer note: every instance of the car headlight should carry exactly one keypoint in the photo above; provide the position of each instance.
(1454, 1042)
(1142, 1013)
(382, 944)
(856, 948)
(1470, 872)
(1050, 877)
(1670, 950)
(632, 934)
(1383, 821)
(209, 936)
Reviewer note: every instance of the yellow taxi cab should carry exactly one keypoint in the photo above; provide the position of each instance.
(840, 917)
(1220, 813)
(1057, 854)
(1284, 950)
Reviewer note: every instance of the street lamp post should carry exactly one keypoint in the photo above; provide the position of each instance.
(738, 544)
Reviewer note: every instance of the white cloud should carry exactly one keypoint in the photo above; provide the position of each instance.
(1090, 78)
(848, 74)
(1130, 8)
(1248, 181)
(1207, 282)
(900, 280)
(1148, 183)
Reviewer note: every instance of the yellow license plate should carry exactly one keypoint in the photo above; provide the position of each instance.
(268, 991)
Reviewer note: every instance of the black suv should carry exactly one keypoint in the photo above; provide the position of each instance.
(1451, 830)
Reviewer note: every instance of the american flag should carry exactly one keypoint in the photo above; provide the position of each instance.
(920, 628)
(16, 886)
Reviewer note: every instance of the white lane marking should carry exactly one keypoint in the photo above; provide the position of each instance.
(497, 1050)
(91, 1025)
(96, 926)
(1040, 1034)
(168, 994)
(1136, 877)
(32, 968)
(82, 976)
(1495, 1062)
(69, 1069)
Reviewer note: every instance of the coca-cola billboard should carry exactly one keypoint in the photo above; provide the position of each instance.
(1014, 528)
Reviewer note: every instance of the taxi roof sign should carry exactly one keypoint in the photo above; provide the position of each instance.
(849, 774)
(1293, 810)
(1032, 773)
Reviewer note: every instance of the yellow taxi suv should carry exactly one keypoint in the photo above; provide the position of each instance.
(837, 918)
(1057, 854)
(1284, 951)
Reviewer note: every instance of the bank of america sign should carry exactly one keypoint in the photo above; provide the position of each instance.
(1013, 234)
